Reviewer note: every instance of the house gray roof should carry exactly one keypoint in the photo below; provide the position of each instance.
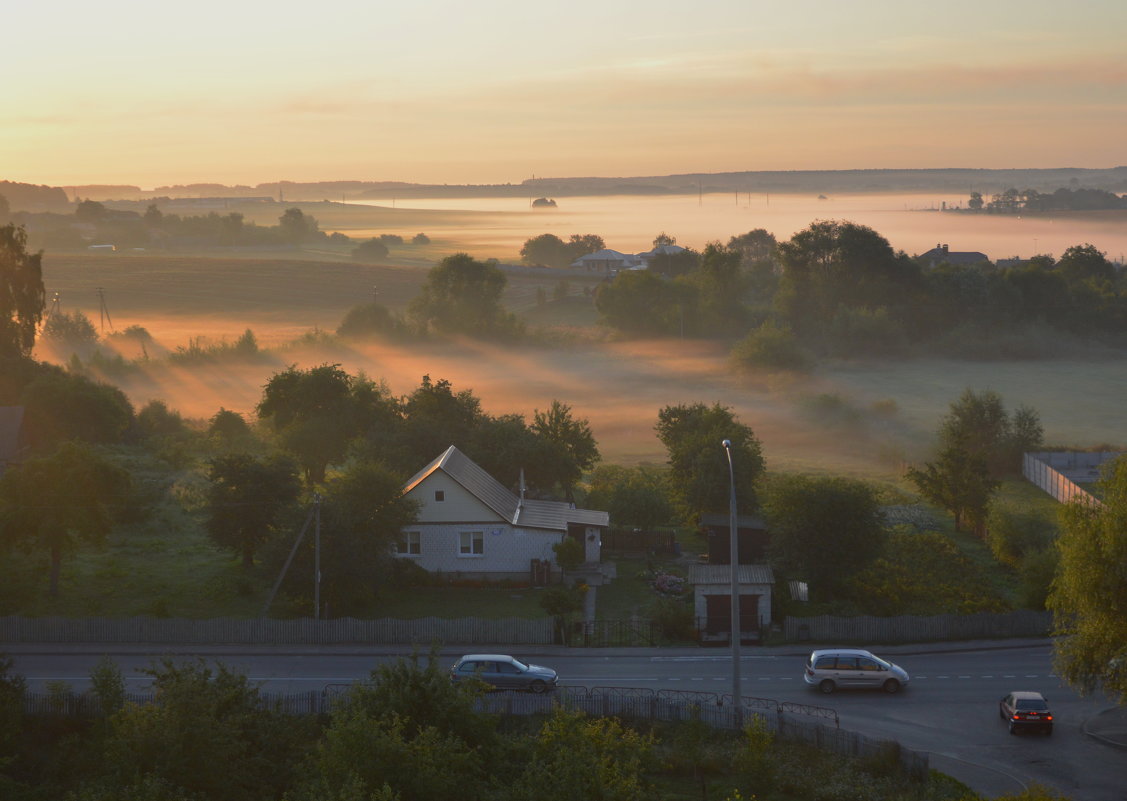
(941, 253)
(721, 574)
(11, 420)
(529, 512)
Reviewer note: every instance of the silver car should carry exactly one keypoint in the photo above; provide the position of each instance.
(504, 672)
(850, 667)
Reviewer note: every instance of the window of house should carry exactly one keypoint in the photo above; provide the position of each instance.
(471, 543)
(409, 543)
(439, 496)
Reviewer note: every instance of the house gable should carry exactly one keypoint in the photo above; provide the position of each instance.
(441, 499)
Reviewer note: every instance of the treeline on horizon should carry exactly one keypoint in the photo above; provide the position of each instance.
(30, 197)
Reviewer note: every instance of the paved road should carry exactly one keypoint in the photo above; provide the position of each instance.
(949, 709)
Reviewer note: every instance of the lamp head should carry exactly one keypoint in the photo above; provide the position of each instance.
(727, 444)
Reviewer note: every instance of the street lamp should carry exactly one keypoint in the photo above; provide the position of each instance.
(734, 556)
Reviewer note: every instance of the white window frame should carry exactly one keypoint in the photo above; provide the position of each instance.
(409, 543)
(471, 544)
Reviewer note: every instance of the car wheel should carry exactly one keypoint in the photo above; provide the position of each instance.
(827, 686)
(538, 686)
(1049, 732)
(891, 686)
(1012, 729)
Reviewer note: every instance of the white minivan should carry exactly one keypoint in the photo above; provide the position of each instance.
(850, 667)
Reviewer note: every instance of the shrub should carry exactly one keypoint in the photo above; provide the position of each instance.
(772, 348)
(569, 553)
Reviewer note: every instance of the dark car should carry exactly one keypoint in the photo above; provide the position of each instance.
(1026, 711)
(503, 672)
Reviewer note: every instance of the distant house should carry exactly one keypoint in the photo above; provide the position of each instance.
(11, 440)
(471, 526)
(660, 250)
(941, 254)
(606, 260)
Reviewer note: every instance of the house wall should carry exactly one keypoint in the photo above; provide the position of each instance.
(507, 551)
(458, 504)
(700, 602)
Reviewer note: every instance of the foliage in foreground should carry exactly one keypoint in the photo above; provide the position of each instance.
(405, 734)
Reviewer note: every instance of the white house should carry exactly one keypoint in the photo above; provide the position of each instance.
(606, 260)
(471, 526)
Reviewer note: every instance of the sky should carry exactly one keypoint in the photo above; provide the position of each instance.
(497, 91)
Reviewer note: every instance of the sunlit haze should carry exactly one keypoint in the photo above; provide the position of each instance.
(497, 91)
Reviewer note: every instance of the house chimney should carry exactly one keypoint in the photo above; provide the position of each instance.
(944, 248)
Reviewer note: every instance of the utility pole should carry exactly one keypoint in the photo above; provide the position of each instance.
(103, 312)
(734, 555)
(317, 557)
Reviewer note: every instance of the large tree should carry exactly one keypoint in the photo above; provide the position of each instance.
(634, 496)
(959, 481)
(573, 444)
(979, 423)
(693, 435)
(245, 500)
(1089, 595)
(463, 296)
(823, 529)
(317, 412)
(53, 503)
(22, 295)
(362, 512)
(546, 249)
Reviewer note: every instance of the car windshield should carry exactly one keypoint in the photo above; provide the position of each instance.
(1032, 704)
(520, 665)
(884, 665)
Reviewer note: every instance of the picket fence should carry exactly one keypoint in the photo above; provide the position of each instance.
(918, 628)
(508, 631)
(813, 725)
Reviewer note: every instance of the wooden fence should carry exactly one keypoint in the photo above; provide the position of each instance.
(813, 725)
(636, 633)
(918, 628)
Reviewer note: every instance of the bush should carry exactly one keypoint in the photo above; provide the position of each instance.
(569, 553)
(1013, 534)
(372, 250)
(674, 618)
(771, 348)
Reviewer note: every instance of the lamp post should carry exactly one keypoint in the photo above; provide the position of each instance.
(734, 556)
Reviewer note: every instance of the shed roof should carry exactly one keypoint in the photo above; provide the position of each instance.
(721, 574)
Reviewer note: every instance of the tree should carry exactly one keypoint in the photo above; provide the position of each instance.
(756, 245)
(642, 302)
(633, 496)
(958, 481)
(90, 211)
(371, 320)
(979, 423)
(721, 287)
(22, 296)
(547, 249)
(207, 733)
(1089, 595)
(53, 503)
(245, 501)
(834, 264)
(317, 412)
(437, 417)
(362, 512)
(576, 757)
(823, 529)
(1084, 262)
(573, 443)
(372, 250)
(73, 332)
(699, 476)
(62, 406)
(975, 202)
(296, 227)
(579, 245)
(463, 296)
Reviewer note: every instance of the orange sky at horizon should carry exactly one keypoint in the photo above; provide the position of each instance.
(495, 92)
